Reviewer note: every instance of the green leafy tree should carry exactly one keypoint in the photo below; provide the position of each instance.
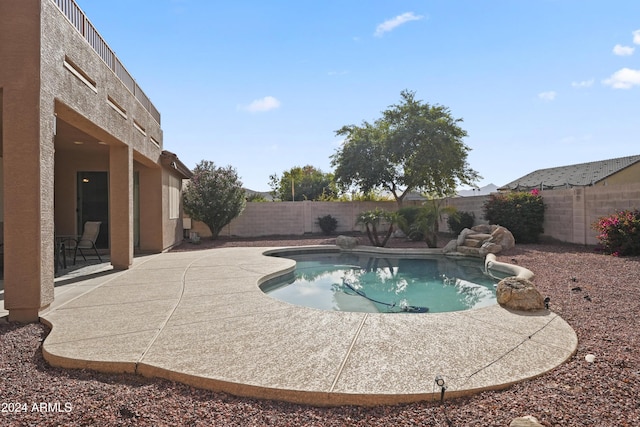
(374, 219)
(414, 146)
(214, 196)
(303, 183)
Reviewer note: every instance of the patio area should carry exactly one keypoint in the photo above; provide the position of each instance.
(198, 317)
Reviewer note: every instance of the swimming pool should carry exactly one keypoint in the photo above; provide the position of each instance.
(374, 283)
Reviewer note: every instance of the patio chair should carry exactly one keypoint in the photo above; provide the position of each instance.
(87, 240)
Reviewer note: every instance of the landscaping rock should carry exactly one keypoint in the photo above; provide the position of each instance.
(450, 247)
(472, 243)
(346, 242)
(466, 250)
(519, 294)
(503, 237)
(483, 228)
(480, 236)
(463, 235)
(526, 421)
(481, 240)
(490, 248)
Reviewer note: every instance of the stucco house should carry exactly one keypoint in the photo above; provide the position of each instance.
(79, 141)
(622, 170)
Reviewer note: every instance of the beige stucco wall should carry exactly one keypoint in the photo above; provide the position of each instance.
(62, 42)
(27, 163)
(151, 219)
(49, 73)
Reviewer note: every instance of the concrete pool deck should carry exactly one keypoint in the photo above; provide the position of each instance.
(199, 318)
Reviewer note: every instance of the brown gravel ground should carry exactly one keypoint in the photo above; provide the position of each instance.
(598, 295)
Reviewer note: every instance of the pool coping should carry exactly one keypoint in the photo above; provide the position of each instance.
(200, 318)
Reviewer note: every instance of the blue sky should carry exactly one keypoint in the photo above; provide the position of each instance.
(264, 85)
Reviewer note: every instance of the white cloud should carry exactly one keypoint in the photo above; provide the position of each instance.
(392, 23)
(547, 96)
(582, 84)
(636, 37)
(625, 78)
(623, 50)
(267, 103)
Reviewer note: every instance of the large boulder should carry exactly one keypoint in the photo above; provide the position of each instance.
(490, 248)
(463, 235)
(519, 294)
(481, 240)
(483, 228)
(346, 242)
(503, 237)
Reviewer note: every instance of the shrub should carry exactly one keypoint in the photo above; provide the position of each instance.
(408, 217)
(428, 220)
(520, 212)
(328, 224)
(619, 234)
(460, 221)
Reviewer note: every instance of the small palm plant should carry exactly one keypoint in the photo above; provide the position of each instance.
(428, 220)
(373, 219)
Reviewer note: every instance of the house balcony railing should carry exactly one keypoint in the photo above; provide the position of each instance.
(79, 20)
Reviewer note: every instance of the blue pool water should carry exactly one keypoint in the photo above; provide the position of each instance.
(371, 283)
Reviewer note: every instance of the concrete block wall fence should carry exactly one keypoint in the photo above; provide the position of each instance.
(568, 216)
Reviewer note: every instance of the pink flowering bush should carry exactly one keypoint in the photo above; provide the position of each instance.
(619, 234)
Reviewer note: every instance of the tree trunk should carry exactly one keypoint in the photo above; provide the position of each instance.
(386, 238)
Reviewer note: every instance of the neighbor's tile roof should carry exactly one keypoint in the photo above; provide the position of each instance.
(573, 175)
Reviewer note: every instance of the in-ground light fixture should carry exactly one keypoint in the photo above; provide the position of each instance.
(440, 382)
